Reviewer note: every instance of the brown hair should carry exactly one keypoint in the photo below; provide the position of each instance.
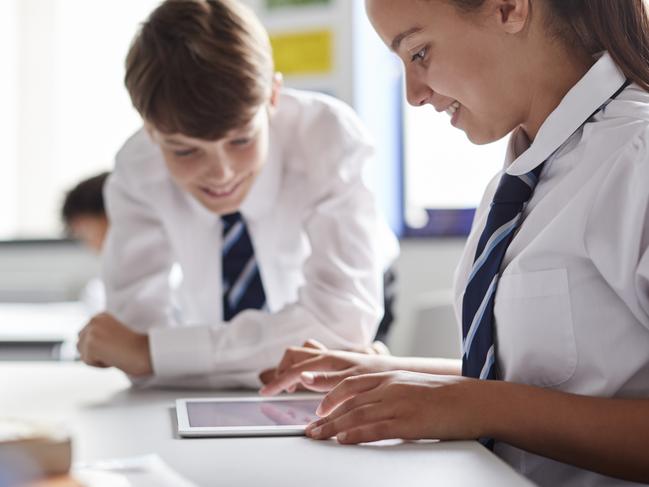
(199, 67)
(85, 199)
(620, 27)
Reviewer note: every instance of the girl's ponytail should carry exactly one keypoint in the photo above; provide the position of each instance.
(620, 27)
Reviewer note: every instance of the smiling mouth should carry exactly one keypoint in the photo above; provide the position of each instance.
(222, 192)
(453, 111)
(455, 106)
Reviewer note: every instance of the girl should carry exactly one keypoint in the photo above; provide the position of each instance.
(553, 288)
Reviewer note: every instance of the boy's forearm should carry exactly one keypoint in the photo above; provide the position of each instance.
(609, 436)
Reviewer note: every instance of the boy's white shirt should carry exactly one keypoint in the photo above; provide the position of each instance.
(319, 240)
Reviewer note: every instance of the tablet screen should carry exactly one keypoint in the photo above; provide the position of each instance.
(208, 414)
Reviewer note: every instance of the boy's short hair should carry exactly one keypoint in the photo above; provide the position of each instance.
(85, 199)
(200, 67)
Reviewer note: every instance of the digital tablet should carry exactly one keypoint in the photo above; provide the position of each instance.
(248, 416)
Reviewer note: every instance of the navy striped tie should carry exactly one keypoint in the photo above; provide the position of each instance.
(478, 352)
(512, 194)
(242, 287)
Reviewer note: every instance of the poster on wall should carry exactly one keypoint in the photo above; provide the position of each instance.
(303, 53)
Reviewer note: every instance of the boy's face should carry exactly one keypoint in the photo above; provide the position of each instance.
(218, 173)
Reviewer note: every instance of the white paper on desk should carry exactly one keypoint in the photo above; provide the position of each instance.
(144, 471)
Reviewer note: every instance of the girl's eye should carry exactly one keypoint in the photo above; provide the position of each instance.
(419, 55)
(184, 153)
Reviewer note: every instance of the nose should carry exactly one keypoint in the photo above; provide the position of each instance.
(417, 91)
(219, 168)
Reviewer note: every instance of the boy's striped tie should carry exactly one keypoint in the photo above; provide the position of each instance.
(242, 287)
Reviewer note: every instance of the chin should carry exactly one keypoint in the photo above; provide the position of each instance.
(225, 209)
(478, 137)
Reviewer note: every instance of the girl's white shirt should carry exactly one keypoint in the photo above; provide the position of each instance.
(572, 304)
(319, 241)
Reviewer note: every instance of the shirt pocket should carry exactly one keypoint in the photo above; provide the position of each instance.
(534, 328)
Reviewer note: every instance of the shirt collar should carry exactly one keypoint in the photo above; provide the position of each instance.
(601, 81)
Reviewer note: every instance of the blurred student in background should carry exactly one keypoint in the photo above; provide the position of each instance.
(84, 218)
(84, 214)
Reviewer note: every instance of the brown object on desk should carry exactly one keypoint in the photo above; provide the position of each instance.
(30, 450)
(57, 481)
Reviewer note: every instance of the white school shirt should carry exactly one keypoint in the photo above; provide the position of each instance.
(572, 304)
(319, 241)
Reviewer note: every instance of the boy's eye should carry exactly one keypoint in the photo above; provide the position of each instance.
(419, 55)
(240, 141)
(184, 153)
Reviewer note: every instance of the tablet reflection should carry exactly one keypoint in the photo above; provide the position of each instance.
(252, 413)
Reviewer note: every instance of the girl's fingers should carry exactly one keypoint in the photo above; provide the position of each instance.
(324, 381)
(355, 418)
(348, 388)
(295, 355)
(380, 430)
(372, 397)
(292, 375)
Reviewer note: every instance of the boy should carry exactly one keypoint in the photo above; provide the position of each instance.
(256, 192)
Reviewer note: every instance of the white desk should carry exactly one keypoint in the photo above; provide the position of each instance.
(108, 419)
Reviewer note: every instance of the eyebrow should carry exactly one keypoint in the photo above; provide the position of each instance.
(174, 142)
(396, 42)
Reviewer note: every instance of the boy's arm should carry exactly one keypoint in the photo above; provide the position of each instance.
(136, 259)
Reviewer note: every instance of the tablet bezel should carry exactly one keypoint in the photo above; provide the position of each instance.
(185, 430)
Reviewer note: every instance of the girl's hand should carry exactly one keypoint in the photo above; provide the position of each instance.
(319, 369)
(407, 405)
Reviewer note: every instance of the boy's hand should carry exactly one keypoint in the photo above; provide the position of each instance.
(106, 342)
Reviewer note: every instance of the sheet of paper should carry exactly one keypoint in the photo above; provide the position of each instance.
(143, 471)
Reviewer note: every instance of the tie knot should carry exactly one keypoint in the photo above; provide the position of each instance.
(231, 219)
(517, 189)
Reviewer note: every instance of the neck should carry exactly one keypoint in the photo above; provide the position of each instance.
(553, 73)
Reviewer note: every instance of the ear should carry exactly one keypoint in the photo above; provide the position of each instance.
(511, 15)
(278, 80)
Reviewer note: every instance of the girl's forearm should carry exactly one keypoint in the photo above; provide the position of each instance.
(609, 436)
(437, 366)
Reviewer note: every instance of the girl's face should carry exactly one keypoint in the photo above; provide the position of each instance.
(218, 173)
(459, 63)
